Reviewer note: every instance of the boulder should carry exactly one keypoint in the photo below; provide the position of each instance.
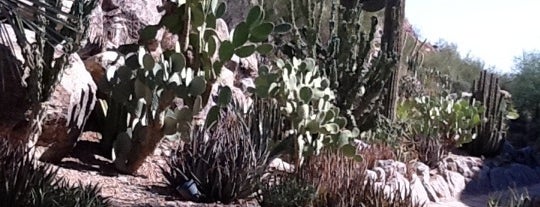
(371, 176)
(392, 167)
(398, 184)
(117, 22)
(440, 186)
(381, 174)
(525, 156)
(455, 181)
(419, 193)
(102, 67)
(237, 11)
(422, 170)
(422, 173)
(66, 111)
(279, 165)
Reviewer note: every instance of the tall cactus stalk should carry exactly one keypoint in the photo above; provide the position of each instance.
(393, 40)
(491, 132)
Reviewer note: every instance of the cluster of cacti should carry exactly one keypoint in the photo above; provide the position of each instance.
(306, 100)
(24, 182)
(146, 87)
(226, 161)
(492, 131)
(352, 57)
(57, 34)
(435, 125)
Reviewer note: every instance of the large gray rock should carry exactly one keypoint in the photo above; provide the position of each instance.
(371, 176)
(422, 173)
(456, 182)
(525, 156)
(66, 111)
(431, 193)
(237, 11)
(419, 194)
(467, 166)
(381, 174)
(422, 170)
(440, 186)
(483, 180)
(392, 167)
(397, 184)
(117, 22)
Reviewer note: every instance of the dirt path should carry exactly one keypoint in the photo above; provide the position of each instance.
(147, 188)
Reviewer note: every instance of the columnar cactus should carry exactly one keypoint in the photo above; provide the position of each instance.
(492, 131)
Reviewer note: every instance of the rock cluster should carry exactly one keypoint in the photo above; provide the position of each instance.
(458, 174)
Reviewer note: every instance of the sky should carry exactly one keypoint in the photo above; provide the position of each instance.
(494, 31)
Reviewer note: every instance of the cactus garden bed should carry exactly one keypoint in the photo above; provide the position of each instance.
(146, 188)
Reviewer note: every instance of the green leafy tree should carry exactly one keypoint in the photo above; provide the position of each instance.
(525, 84)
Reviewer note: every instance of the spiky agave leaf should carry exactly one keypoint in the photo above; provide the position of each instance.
(228, 164)
(24, 182)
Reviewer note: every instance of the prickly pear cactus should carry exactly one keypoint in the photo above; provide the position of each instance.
(146, 86)
(354, 56)
(306, 100)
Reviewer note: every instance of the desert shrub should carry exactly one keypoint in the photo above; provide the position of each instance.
(461, 71)
(28, 183)
(224, 161)
(373, 153)
(342, 181)
(286, 191)
(435, 125)
(332, 179)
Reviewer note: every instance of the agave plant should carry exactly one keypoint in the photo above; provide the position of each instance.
(225, 161)
(28, 183)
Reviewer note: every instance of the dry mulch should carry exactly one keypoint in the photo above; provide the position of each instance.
(146, 188)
